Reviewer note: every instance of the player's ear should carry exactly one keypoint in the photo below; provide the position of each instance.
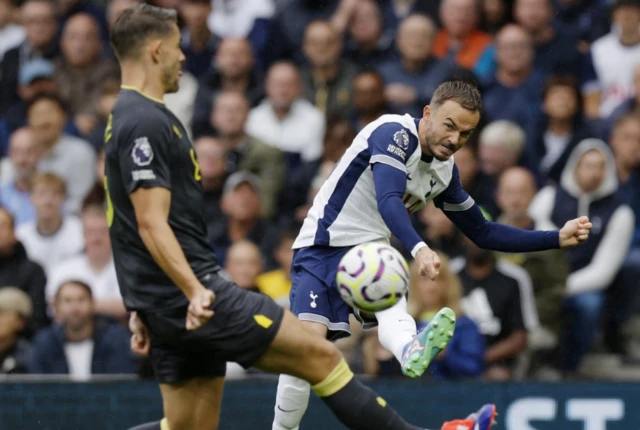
(155, 48)
(426, 112)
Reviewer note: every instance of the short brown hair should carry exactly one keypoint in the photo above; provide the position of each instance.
(51, 180)
(136, 24)
(464, 93)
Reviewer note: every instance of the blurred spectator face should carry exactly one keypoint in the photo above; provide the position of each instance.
(337, 139)
(73, 306)
(494, 11)
(437, 224)
(244, 264)
(6, 10)
(47, 200)
(195, 13)
(230, 113)
(47, 119)
(516, 190)
(80, 41)
(100, 166)
(284, 254)
(96, 235)
(459, 17)
(561, 103)
(495, 159)
(415, 37)
(627, 18)
(116, 7)
(24, 153)
(501, 144)
(322, 44)
(533, 15)
(211, 156)
(108, 97)
(282, 86)
(468, 166)
(366, 23)
(7, 234)
(590, 171)
(368, 93)
(625, 141)
(242, 204)
(514, 49)
(234, 58)
(39, 21)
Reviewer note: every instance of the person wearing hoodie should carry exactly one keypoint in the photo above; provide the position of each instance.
(589, 187)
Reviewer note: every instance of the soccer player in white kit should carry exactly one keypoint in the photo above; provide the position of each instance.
(394, 166)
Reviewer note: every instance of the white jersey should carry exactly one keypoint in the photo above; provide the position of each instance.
(345, 210)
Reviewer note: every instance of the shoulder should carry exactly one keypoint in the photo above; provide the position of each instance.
(304, 107)
(44, 337)
(606, 42)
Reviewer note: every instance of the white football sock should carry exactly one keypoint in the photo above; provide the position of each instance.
(396, 328)
(292, 400)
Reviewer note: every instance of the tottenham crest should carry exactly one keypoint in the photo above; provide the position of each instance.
(142, 152)
(401, 138)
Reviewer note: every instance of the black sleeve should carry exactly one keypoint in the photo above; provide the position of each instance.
(145, 152)
(36, 282)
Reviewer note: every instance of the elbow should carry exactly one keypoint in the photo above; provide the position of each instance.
(146, 225)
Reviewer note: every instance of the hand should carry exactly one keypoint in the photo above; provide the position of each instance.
(400, 94)
(575, 232)
(199, 312)
(140, 342)
(428, 263)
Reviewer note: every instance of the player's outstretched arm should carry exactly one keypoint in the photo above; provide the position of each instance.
(152, 213)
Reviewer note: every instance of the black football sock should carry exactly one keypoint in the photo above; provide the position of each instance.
(355, 404)
(150, 426)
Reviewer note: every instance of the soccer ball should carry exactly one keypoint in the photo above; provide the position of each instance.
(372, 277)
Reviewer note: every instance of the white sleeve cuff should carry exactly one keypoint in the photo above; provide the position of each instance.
(417, 248)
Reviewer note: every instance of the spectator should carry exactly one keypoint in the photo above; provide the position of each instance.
(459, 39)
(244, 264)
(233, 70)
(39, 20)
(198, 42)
(589, 186)
(629, 105)
(555, 50)
(18, 271)
(109, 90)
(585, 20)
(68, 9)
(285, 120)
(15, 196)
(52, 237)
(249, 19)
(327, 79)
(464, 356)
(246, 153)
(512, 92)
(549, 269)
(368, 99)
(69, 157)
(11, 34)
(495, 14)
(36, 77)
(212, 157)
(368, 43)
(498, 298)
(560, 127)
(297, 199)
(396, 11)
(94, 266)
(81, 70)
(479, 186)
(609, 76)
(15, 311)
(277, 283)
(79, 344)
(439, 232)
(411, 80)
(501, 146)
(241, 207)
(114, 8)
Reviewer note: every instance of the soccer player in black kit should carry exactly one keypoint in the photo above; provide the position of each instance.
(189, 319)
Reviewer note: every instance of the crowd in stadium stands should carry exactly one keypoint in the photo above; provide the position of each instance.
(272, 95)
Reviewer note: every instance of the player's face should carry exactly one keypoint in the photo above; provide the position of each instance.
(171, 60)
(448, 127)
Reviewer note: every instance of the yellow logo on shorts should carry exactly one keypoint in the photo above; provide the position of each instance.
(382, 402)
(263, 321)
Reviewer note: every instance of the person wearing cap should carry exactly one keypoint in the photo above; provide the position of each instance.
(241, 207)
(15, 311)
(609, 75)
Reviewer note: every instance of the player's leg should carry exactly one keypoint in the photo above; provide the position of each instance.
(193, 404)
(397, 334)
(292, 396)
(298, 352)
